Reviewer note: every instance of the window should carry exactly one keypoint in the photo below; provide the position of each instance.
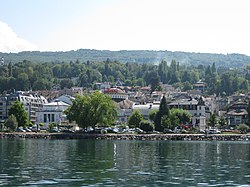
(44, 118)
(53, 117)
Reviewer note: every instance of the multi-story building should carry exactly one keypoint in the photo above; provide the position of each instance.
(196, 108)
(31, 102)
(237, 113)
(52, 113)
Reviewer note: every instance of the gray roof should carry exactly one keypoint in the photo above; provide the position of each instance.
(184, 102)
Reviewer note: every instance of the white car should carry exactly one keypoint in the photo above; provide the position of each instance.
(213, 131)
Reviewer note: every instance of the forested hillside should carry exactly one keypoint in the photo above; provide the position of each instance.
(124, 56)
(29, 75)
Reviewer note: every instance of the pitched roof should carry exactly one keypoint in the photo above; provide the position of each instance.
(240, 112)
(125, 104)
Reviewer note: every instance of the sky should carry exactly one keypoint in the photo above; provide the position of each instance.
(206, 26)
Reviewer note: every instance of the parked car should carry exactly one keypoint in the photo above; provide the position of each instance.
(202, 131)
(54, 129)
(168, 131)
(177, 130)
(35, 128)
(27, 129)
(20, 129)
(213, 131)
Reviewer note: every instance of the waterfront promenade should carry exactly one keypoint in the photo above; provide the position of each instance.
(170, 137)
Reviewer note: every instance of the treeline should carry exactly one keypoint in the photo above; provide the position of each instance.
(28, 75)
(136, 56)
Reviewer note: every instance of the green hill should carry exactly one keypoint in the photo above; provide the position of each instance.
(139, 56)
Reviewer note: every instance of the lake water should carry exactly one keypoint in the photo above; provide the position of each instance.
(29, 162)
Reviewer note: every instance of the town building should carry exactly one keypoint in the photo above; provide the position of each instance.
(197, 109)
(52, 113)
(31, 102)
(236, 113)
(64, 98)
(72, 91)
(124, 110)
(102, 86)
(116, 94)
(145, 108)
(201, 86)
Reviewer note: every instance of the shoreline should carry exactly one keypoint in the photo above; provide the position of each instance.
(151, 137)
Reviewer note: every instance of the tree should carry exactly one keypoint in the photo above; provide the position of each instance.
(66, 83)
(151, 114)
(213, 69)
(187, 86)
(183, 115)
(152, 78)
(222, 122)
(155, 84)
(163, 110)
(135, 119)
(175, 118)
(170, 121)
(213, 120)
(163, 70)
(11, 123)
(92, 110)
(18, 110)
(146, 126)
(174, 72)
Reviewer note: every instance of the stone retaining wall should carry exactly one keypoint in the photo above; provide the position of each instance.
(173, 137)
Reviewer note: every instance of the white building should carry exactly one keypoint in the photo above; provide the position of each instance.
(196, 109)
(52, 113)
(145, 108)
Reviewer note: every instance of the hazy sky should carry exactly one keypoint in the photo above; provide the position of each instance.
(213, 26)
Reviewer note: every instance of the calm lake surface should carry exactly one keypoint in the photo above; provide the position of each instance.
(29, 162)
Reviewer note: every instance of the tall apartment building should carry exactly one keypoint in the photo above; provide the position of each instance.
(31, 102)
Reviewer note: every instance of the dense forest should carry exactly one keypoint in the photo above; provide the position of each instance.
(124, 56)
(27, 75)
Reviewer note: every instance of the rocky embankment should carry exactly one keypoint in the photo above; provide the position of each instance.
(171, 137)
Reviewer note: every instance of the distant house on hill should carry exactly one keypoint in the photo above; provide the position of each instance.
(236, 113)
(200, 86)
(116, 94)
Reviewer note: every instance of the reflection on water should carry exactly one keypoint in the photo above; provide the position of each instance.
(123, 163)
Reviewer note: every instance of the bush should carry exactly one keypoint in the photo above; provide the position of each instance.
(146, 125)
(11, 123)
(243, 128)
